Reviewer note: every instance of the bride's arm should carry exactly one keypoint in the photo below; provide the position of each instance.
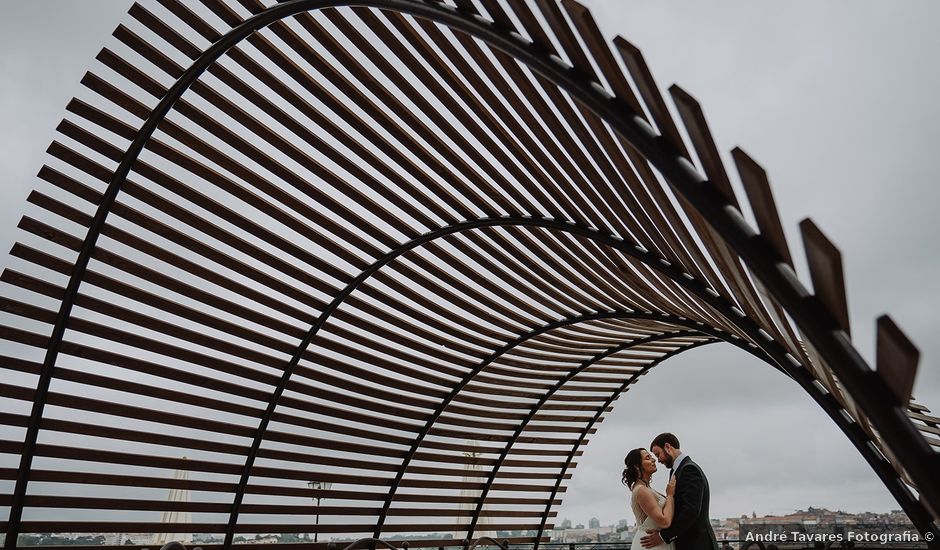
(662, 517)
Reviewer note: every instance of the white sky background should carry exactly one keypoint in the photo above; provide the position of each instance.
(837, 101)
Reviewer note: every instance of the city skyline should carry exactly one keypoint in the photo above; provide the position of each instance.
(567, 531)
(751, 514)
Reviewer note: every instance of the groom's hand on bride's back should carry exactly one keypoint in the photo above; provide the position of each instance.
(652, 538)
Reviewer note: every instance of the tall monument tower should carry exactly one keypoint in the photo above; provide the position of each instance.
(175, 516)
(473, 473)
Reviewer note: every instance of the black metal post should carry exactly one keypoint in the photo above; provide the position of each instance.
(317, 532)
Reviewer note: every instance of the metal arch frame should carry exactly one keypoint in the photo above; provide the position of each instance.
(597, 415)
(802, 376)
(911, 506)
(613, 350)
(644, 256)
(509, 346)
(671, 319)
(496, 354)
(833, 345)
(774, 353)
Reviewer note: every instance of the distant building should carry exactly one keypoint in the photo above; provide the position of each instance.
(823, 522)
(580, 535)
(726, 529)
(120, 539)
(810, 521)
(115, 539)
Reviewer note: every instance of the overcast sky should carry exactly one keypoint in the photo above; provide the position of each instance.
(837, 101)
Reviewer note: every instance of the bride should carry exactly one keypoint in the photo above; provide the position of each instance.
(653, 510)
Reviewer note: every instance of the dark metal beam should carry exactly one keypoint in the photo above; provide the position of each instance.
(506, 348)
(674, 320)
(852, 430)
(597, 415)
(558, 385)
(632, 250)
(718, 334)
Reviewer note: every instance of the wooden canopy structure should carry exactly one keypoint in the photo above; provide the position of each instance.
(412, 249)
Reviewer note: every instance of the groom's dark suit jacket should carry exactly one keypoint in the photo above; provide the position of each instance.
(690, 527)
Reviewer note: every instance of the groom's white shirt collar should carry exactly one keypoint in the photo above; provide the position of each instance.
(677, 461)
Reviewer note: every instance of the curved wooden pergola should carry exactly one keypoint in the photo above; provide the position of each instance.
(409, 249)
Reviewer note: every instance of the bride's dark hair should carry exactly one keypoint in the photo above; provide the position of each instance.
(632, 471)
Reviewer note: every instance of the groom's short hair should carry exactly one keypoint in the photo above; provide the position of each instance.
(661, 440)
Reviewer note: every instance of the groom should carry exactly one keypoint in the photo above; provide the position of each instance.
(690, 529)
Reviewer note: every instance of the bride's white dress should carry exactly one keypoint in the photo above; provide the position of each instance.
(645, 523)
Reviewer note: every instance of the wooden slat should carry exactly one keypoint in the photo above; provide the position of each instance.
(50, 501)
(704, 143)
(146, 247)
(649, 91)
(600, 52)
(146, 527)
(825, 268)
(896, 359)
(924, 418)
(431, 30)
(707, 152)
(88, 478)
(761, 199)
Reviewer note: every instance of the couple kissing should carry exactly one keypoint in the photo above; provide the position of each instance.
(677, 520)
